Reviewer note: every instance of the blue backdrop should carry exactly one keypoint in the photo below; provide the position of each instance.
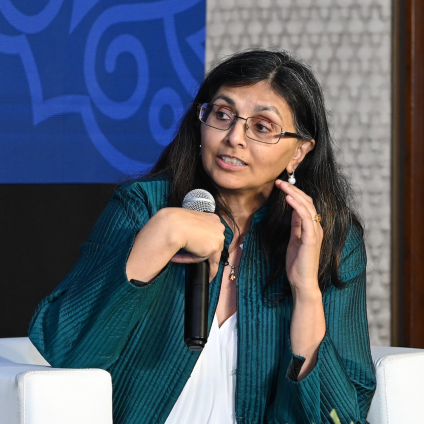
(92, 90)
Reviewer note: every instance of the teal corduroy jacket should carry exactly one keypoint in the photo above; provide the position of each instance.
(97, 318)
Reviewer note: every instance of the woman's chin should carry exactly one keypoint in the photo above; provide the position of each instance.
(231, 183)
(237, 188)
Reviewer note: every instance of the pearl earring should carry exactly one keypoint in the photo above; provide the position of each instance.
(200, 151)
(291, 179)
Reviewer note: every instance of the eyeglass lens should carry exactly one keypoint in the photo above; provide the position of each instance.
(223, 118)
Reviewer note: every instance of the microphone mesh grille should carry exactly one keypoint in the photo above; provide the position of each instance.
(199, 200)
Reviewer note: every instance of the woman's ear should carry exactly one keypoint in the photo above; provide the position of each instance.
(303, 147)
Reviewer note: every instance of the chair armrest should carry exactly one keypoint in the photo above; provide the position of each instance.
(35, 394)
(400, 386)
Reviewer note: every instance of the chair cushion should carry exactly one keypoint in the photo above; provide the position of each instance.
(20, 350)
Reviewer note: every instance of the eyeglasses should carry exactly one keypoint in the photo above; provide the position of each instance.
(258, 129)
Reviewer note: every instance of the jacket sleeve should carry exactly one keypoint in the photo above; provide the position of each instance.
(344, 376)
(88, 318)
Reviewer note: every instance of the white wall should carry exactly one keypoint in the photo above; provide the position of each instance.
(348, 43)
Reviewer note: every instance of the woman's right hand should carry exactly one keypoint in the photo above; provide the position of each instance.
(200, 234)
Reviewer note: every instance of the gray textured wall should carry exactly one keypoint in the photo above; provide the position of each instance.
(348, 43)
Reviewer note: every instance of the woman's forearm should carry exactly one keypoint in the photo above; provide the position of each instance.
(168, 231)
(307, 328)
(153, 248)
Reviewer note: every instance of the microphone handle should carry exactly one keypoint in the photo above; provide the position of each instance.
(196, 305)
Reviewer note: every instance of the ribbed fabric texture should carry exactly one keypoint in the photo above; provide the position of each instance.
(97, 318)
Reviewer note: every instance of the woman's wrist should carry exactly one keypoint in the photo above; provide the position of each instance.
(307, 296)
(308, 326)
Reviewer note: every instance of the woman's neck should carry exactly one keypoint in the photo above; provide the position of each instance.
(242, 209)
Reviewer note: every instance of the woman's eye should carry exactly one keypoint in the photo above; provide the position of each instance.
(222, 115)
(263, 126)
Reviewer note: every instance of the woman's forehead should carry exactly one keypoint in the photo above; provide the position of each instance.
(256, 98)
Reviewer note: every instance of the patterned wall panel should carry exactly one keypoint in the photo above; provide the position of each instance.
(348, 44)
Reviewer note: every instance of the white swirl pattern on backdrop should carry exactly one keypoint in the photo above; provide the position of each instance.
(153, 63)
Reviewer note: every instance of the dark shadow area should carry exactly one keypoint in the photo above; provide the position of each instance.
(41, 229)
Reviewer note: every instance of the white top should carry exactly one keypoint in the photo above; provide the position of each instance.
(209, 394)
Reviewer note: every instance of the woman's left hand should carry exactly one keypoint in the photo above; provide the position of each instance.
(303, 252)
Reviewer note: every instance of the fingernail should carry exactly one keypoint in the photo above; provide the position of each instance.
(286, 184)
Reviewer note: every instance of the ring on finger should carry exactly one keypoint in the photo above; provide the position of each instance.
(317, 218)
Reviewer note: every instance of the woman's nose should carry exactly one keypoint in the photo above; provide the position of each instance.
(237, 133)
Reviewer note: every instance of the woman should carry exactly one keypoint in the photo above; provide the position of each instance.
(288, 292)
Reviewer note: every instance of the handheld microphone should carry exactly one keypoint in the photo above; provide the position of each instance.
(197, 281)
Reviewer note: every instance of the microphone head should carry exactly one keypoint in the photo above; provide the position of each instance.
(199, 200)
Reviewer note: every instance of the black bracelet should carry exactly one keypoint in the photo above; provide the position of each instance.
(138, 283)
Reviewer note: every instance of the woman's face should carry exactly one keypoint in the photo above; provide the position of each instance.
(238, 163)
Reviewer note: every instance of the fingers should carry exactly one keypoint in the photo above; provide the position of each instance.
(296, 224)
(298, 195)
(293, 190)
(187, 258)
(214, 265)
(200, 234)
(304, 211)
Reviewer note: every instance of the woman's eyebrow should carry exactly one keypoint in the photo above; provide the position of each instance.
(227, 99)
(260, 108)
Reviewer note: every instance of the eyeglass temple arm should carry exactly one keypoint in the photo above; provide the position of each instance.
(290, 134)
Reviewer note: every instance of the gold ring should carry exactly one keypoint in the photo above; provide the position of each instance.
(317, 218)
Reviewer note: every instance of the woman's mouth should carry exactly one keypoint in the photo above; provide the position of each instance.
(231, 160)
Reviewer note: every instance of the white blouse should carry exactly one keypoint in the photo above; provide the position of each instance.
(209, 394)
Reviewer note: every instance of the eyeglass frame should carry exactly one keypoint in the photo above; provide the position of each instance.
(236, 117)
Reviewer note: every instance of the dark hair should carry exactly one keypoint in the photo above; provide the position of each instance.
(317, 175)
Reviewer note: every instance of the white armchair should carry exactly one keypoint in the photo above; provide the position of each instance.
(31, 392)
(399, 398)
